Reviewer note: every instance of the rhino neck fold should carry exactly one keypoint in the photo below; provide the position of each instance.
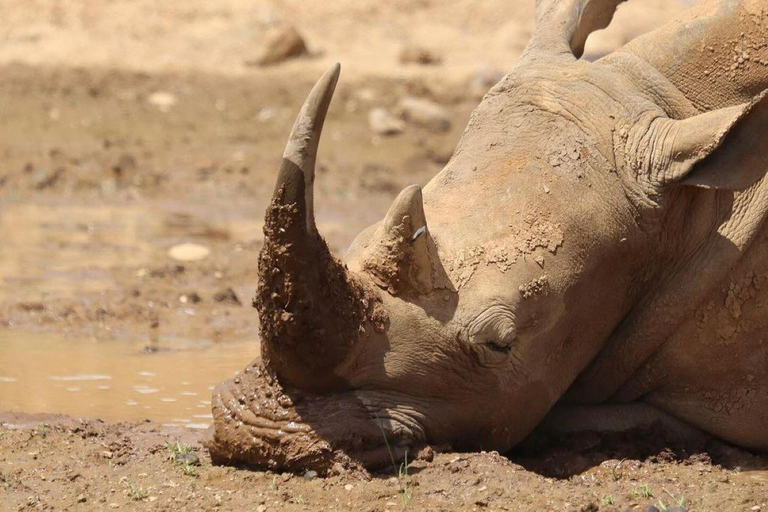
(674, 293)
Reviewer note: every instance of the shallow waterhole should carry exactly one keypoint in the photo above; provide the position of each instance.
(55, 250)
(116, 380)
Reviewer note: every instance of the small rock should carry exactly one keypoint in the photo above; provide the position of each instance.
(190, 298)
(227, 296)
(163, 100)
(426, 454)
(189, 458)
(348, 487)
(425, 113)
(281, 44)
(189, 252)
(81, 498)
(383, 123)
(418, 55)
(309, 475)
(266, 113)
(650, 508)
(125, 164)
(261, 508)
(677, 509)
(48, 180)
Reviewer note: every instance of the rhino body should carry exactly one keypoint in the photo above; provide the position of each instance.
(594, 255)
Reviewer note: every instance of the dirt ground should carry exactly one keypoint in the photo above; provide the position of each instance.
(131, 126)
(53, 462)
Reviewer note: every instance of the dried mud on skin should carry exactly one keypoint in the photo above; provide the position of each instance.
(89, 136)
(63, 463)
(257, 423)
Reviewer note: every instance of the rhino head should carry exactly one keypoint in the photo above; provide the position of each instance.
(474, 305)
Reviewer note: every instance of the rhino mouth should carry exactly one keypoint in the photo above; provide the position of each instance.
(260, 424)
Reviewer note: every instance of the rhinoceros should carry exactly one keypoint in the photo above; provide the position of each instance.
(593, 255)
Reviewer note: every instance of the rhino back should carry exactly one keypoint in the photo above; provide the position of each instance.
(716, 54)
(697, 345)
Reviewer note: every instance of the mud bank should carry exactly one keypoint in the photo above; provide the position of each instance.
(58, 462)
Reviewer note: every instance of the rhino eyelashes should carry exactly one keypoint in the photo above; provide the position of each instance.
(497, 346)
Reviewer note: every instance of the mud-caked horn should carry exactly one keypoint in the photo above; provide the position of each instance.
(311, 309)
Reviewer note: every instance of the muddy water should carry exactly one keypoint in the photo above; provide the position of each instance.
(116, 380)
(59, 250)
(68, 250)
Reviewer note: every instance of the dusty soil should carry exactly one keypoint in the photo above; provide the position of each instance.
(129, 127)
(53, 462)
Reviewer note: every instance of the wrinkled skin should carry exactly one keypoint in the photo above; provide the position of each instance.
(604, 252)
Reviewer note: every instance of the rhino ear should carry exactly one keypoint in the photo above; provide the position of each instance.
(722, 149)
(402, 257)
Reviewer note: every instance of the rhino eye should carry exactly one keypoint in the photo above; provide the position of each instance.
(492, 335)
(498, 346)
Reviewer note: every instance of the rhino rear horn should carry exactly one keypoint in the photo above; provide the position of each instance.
(403, 257)
(311, 309)
(562, 26)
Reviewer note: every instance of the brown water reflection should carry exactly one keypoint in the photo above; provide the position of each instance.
(66, 250)
(116, 380)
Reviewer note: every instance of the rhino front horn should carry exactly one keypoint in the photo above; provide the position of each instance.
(311, 309)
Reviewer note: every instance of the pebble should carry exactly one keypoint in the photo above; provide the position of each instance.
(348, 487)
(163, 100)
(227, 296)
(81, 498)
(382, 122)
(281, 44)
(309, 475)
(192, 298)
(189, 252)
(419, 55)
(189, 458)
(650, 508)
(425, 113)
